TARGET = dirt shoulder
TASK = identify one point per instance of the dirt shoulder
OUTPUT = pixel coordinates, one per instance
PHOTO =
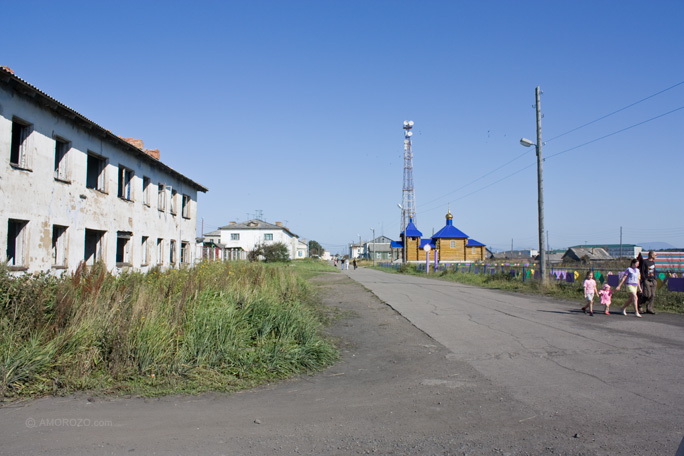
(394, 391)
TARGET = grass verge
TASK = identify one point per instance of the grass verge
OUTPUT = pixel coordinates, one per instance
(667, 301)
(217, 326)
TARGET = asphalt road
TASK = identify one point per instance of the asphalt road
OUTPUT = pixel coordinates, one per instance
(428, 368)
(621, 373)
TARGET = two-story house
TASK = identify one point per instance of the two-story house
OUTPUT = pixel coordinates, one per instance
(235, 240)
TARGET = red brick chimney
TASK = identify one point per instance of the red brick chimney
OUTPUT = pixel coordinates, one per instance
(154, 153)
(279, 223)
(134, 142)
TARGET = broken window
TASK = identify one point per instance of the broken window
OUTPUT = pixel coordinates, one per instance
(160, 251)
(94, 246)
(19, 149)
(185, 253)
(125, 179)
(61, 149)
(17, 237)
(146, 191)
(95, 178)
(59, 246)
(161, 197)
(145, 250)
(123, 248)
(172, 252)
(186, 206)
(174, 205)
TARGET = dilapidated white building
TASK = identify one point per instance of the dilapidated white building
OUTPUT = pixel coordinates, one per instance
(72, 192)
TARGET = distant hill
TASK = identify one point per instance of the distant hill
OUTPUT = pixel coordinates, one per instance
(656, 245)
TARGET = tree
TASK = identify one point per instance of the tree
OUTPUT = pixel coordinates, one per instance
(271, 253)
(315, 249)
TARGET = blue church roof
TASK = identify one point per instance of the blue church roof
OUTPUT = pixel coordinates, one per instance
(474, 243)
(449, 231)
(423, 242)
(411, 230)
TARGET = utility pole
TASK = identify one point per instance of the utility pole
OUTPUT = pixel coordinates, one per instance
(373, 230)
(540, 187)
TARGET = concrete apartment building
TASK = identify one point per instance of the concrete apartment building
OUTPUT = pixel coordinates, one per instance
(73, 192)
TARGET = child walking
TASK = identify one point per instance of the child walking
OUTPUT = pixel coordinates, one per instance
(606, 296)
(589, 291)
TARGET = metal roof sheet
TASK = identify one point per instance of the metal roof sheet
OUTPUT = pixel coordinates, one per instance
(19, 85)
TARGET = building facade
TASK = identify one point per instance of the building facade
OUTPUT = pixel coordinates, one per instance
(449, 244)
(73, 192)
(235, 240)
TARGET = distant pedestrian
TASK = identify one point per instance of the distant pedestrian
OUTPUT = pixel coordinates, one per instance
(346, 264)
(354, 264)
(631, 276)
(648, 282)
(606, 296)
(589, 292)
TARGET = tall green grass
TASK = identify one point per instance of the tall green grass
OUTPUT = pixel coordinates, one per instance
(218, 326)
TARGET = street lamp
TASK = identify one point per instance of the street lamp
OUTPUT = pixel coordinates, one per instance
(540, 188)
(373, 230)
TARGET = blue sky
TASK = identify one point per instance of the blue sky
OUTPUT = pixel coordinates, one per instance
(295, 108)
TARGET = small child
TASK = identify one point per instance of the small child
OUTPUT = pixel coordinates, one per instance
(606, 295)
(589, 291)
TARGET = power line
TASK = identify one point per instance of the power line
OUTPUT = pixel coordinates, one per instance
(614, 133)
(615, 112)
(478, 179)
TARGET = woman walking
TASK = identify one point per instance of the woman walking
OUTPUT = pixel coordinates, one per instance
(632, 276)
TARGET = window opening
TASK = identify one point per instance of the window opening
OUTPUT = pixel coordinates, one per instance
(16, 242)
(186, 206)
(161, 197)
(160, 251)
(19, 149)
(185, 253)
(174, 208)
(146, 191)
(59, 245)
(123, 248)
(125, 178)
(94, 246)
(95, 177)
(172, 252)
(61, 149)
(144, 249)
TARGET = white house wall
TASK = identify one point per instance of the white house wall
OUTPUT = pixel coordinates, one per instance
(35, 195)
(250, 238)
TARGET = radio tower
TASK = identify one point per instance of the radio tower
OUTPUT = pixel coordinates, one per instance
(408, 200)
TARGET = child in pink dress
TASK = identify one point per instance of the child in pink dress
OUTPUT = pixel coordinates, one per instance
(606, 295)
(589, 292)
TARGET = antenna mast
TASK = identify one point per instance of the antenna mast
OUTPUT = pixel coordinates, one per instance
(408, 200)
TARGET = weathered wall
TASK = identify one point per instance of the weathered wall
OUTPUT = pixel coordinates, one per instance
(36, 196)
